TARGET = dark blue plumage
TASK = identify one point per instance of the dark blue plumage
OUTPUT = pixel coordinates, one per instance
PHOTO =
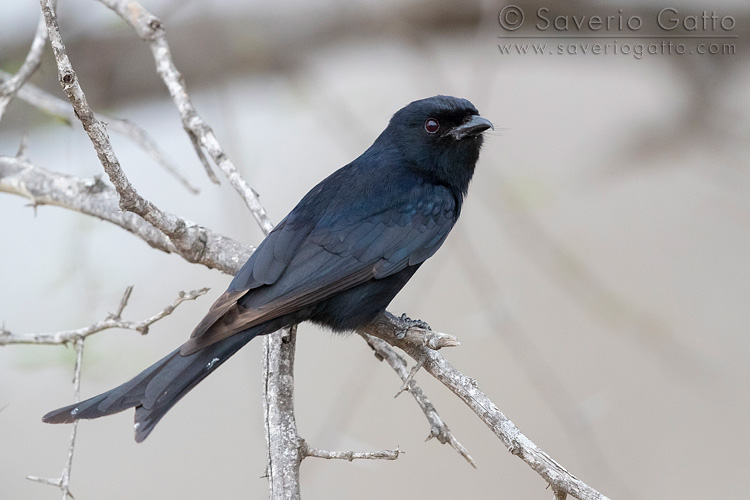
(337, 259)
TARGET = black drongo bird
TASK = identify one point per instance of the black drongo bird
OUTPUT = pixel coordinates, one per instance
(337, 259)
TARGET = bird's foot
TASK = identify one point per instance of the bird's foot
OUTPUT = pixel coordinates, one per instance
(416, 331)
(411, 323)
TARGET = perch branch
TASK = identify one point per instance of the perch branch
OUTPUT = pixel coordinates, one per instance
(390, 328)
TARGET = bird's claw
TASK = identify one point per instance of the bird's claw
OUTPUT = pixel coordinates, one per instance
(413, 323)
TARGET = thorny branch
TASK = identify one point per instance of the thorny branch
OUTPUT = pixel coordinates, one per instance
(389, 328)
(63, 482)
(438, 428)
(111, 321)
(78, 337)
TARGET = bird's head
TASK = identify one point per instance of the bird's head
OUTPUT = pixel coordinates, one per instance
(441, 137)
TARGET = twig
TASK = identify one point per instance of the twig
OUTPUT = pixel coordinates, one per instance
(308, 451)
(111, 321)
(65, 477)
(151, 30)
(124, 302)
(149, 145)
(10, 86)
(63, 482)
(43, 100)
(438, 428)
(410, 377)
(94, 197)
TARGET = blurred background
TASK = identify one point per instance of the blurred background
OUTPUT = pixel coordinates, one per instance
(598, 279)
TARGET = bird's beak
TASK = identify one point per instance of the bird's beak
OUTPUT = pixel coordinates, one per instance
(474, 126)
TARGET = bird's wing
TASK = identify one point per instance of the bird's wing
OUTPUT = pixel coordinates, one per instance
(301, 264)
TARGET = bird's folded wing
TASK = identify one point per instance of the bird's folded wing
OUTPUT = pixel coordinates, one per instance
(296, 267)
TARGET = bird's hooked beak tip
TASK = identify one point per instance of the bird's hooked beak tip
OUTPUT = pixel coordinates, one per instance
(472, 127)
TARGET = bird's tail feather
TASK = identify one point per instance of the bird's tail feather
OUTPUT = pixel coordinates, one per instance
(157, 388)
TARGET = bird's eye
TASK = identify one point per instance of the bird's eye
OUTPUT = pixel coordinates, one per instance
(431, 126)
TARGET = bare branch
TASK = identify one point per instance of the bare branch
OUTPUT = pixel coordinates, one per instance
(151, 30)
(94, 197)
(65, 477)
(389, 328)
(10, 86)
(45, 480)
(60, 109)
(308, 451)
(111, 321)
(438, 428)
(42, 100)
(188, 238)
(63, 482)
(78, 337)
(282, 440)
(409, 377)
